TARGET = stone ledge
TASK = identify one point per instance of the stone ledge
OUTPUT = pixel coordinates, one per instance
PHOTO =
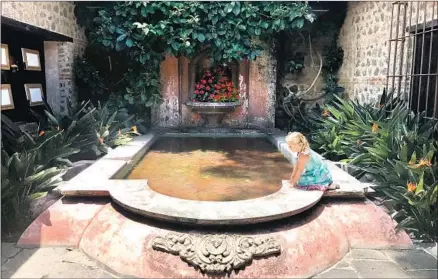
(137, 197)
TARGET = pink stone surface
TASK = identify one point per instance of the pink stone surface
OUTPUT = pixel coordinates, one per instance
(310, 242)
(62, 224)
(167, 114)
(261, 95)
(366, 225)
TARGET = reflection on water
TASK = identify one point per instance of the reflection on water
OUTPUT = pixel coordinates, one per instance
(213, 169)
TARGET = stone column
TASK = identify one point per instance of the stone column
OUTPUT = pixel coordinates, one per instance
(167, 113)
(52, 74)
(261, 91)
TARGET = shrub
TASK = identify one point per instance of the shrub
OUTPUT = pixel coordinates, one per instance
(393, 146)
(23, 177)
(114, 128)
(34, 164)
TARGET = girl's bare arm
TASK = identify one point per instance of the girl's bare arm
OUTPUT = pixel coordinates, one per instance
(299, 168)
(293, 172)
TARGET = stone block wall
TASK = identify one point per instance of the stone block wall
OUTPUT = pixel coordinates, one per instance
(364, 38)
(57, 17)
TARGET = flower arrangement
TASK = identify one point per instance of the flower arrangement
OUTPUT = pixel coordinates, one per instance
(215, 86)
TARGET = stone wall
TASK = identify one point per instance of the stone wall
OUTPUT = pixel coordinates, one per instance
(364, 38)
(57, 17)
(300, 83)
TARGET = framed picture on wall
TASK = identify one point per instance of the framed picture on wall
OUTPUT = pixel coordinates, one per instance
(5, 57)
(7, 100)
(34, 93)
(31, 59)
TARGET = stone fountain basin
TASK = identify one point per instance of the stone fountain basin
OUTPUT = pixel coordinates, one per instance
(103, 178)
(212, 108)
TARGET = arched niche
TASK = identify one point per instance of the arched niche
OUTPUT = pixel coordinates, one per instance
(202, 62)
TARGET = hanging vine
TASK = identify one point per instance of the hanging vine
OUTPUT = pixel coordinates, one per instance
(128, 40)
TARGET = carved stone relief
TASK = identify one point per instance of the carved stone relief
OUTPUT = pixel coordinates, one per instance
(216, 253)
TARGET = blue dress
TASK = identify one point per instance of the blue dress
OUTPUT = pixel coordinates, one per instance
(316, 175)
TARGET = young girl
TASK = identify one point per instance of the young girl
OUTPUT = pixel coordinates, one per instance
(309, 172)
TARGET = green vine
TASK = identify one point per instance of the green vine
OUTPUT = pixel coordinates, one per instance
(137, 36)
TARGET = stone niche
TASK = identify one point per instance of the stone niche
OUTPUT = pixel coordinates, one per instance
(254, 79)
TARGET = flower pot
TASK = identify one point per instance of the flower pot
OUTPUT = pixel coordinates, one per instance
(211, 112)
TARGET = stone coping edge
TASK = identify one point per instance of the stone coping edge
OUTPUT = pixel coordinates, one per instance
(101, 179)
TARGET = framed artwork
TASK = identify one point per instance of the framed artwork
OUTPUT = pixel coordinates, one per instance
(31, 59)
(7, 100)
(5, 57)
(34, 93)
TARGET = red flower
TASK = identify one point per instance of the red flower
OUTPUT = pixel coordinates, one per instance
(217, 87)
(207, 88)
(203, 81)
(218, 98)
(196, 91)
(211, 96)
(197, 86)
(202, 92)
(210, 81)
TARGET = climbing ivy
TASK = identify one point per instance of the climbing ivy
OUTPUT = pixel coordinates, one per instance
(144, 32)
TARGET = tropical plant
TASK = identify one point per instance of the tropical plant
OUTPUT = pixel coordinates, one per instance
(409, 187)
(113, 128)
(23, 177)
(394, 147)
(78, 125)
(54, 145)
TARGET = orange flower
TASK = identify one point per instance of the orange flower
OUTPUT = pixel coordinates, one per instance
(42, 133)
(134, 129)
(100, 140)
(424, 162)
(375, 128)
(411, 186)
(325, 113)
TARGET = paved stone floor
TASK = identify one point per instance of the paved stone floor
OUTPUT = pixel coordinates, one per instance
(58, 262)
(365, 263)
(63, 262)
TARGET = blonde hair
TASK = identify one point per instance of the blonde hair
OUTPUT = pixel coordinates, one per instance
(298, 138)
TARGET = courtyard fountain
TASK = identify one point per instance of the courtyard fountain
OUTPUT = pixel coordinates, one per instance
(215, 199)
(162, 224)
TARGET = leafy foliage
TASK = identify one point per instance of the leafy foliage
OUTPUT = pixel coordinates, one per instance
(25, 176)
(113, 128)
(142, 33)
(396, 148)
